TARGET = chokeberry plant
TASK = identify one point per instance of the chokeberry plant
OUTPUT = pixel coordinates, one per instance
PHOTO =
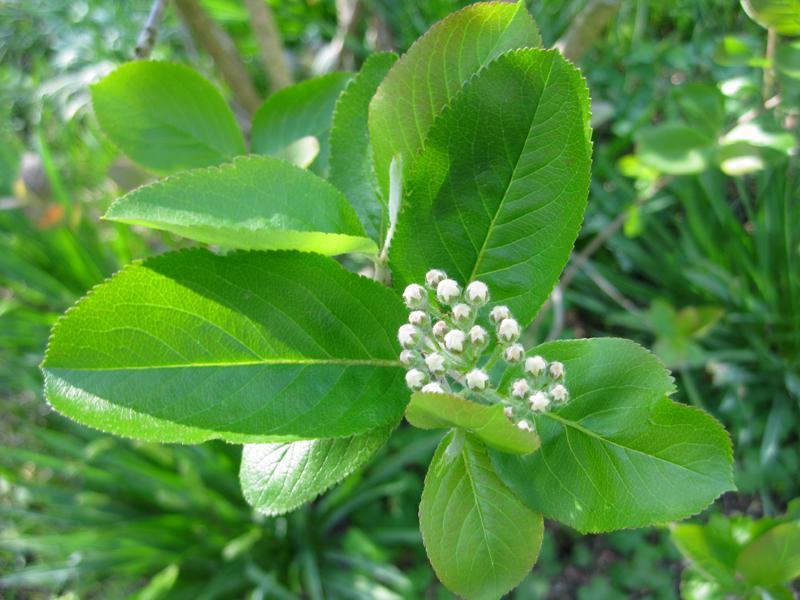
(461, 171)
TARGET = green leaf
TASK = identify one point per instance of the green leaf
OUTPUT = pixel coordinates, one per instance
(166, 116)
(674, 148)
(443, 411)
(697, 586)
(772, 558)
(277, 478)
(781, 15)
(249, 347)
(351, 168)
(620, 454)
(712, 550)
(257, 202)
(480, 539)
(432, 72)
(499, 189)
(298, 111)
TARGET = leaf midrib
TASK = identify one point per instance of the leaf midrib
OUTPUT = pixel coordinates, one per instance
(245, 363)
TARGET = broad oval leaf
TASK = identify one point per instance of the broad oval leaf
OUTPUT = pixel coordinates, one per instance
(480, 539)
(166, 116)
(781, 15)
(773, 557)
(432, 72)
(499, 189)
(712, 550)
(488, 423)
(249, 347)
(351, 168)
(620, 454)
(254, 203)
(277, 478)
(298, 111)
(675, 148)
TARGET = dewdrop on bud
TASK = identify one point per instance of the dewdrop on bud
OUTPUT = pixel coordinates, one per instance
(514, 353)
(539, 401)
(447, 290)
(499, 313)
(461, 312)
(520, 388)
(415, 378)
(477, 379)
(408, 357)
(524, 426)
(508, 412)
(432, 388)
(559, 393)
(439, 329)
(535, 365)
(556, 370)
(435, 363)
(454, 340)
(407, 335)
(478, 335)
(417, 317)
(414, 295)
(434, 276)
(477, 293)
(508, 330)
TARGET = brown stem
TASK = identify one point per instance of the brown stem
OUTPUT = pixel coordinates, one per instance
(769, 69)
(147, 36)
(587, 25)
(270, 44)
(220, 47)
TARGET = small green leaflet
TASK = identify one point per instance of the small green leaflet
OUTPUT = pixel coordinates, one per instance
(620, 454)
(351, 168)
(488, 423)
(277, 478)
(772, 558)
(432, 72)
(248, 347)
(166, 117)
(675, 148)
(302, 110)
(499, 188)
(255, 203)
(480, 539)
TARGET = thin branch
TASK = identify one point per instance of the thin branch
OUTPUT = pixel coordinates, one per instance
(270, 44)
(222, 50)
(147, 36)
(587, 25)
(769, 69)
(333, 56)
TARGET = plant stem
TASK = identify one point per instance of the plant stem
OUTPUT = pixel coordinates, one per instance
(270, 44)
(769, 69)
(586, 27)
(147, 36)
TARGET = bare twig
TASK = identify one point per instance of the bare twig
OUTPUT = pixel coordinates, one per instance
(333, 56)
(147, 36)
(270, 44)
(586, 27)
(769, 69)
(220, 47)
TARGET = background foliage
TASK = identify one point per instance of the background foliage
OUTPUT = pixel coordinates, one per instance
(681, 250)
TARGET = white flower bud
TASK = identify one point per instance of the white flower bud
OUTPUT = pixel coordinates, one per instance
(514, 353)
(508, 412)
(499, 313)
(447, 291)
(477, 379)
(415, 378)
(439, 329)
(559, 393)
(461, 312)
(539, 401)
(524, 426)
(435, 362)
(556, 370)
(508, 330)
(434, 276)
(417, 317)
(414, 295)
(407, 335)
(432, 388)
(408, 357)
(477, 293)
(478, 335)
(535, 365)
(520, 388)
(454, 340)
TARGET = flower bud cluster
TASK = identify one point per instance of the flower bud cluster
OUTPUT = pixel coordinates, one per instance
(446, 339)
